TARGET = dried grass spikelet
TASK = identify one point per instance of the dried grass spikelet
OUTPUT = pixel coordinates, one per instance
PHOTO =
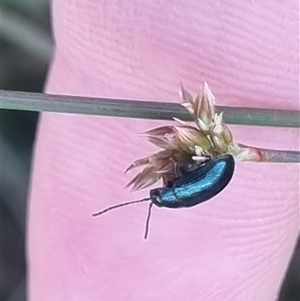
(185, 144)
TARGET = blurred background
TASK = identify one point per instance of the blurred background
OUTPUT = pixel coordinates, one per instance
(26, 49)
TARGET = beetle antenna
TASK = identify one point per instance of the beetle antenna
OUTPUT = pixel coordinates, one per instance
(120, 205)
(148, 221)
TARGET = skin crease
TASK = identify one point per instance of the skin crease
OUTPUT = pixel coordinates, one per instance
(235, 247)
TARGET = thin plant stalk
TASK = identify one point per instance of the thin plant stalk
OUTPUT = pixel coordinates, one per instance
(38, 102)
(14, 100)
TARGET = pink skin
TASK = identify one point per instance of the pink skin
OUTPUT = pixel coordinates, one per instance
(236, 246)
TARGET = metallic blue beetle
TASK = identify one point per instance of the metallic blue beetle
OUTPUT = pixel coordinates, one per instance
(193, 187)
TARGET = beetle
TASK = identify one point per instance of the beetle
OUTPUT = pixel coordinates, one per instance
(194, 186)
